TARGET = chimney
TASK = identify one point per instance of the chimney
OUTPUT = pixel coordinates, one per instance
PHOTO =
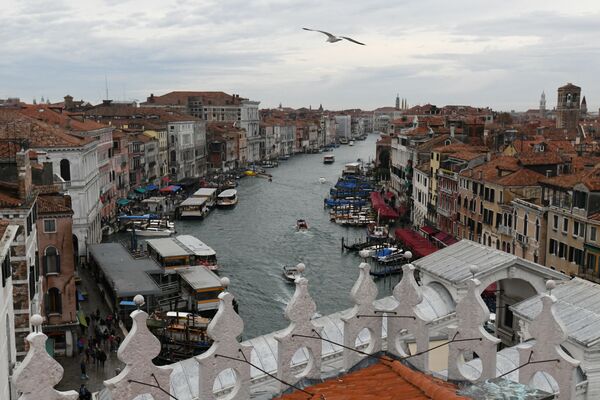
(23, 174)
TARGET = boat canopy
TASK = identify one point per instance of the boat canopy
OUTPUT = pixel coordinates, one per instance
(200, 278)
(193, 201)
(139, 217)
(140, 190)
(228, 193)
(384, 210)
(195, 245)
(151, 187)
(205, 192)
(123, 202)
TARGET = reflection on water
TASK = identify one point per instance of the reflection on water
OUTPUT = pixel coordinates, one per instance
(257, 237)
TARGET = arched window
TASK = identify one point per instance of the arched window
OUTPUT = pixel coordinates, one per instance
(53, 301)
(497, 245)
(537, 229)
(508, 247)
(525, 223)
(489, 241)
(65, 169)
(51, 262)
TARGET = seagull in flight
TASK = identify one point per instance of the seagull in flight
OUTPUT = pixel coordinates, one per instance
(332, 38)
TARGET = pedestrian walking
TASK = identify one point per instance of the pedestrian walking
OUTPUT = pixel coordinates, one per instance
(83, 367)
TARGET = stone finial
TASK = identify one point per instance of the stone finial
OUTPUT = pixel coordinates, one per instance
(471, 315)
(550, 285)
(299, 312)
(549, 333)
(37, 375)
(364, 293)
(137, 351)
(408, 295)
(224, 330)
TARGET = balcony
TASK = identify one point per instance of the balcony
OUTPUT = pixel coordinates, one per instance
(522, 239)
(505, 230)
(445, 213)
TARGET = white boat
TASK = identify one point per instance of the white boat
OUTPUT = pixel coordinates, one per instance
(153, 228)
(290, 272)
(328, 159)
(227, 198)
(351, 143)
(193, 207)
(210, 194)
(343, 141)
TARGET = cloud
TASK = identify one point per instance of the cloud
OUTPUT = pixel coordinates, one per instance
(430, 51)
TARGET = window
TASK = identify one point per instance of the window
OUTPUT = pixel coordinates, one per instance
(565, 227)
(525, 223)
(51, 262)
(65, 169)
(552, 245)
(593, 233)
(6, 270)
(537, 230)
(591, 262)
(508, 317)
(53, 301)
(49, 225)
(555, 223)
(562, 250)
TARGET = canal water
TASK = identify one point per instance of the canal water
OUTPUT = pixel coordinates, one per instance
(257, 237)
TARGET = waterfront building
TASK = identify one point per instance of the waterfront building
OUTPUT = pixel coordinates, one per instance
(18, 206)
(55, 243)
(531, 219)
(74, 159)
(421, 194)
(8, 350)
(568, 107)
(343, 127)
(187, 148)
(225, 146)
(120, 161)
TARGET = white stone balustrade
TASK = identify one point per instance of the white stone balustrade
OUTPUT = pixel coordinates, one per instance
(37, 375)
(406, 321)
(546, 355)
(471, 315)
(299, 312)
(364, 293)
(223, 355)
(140, 375)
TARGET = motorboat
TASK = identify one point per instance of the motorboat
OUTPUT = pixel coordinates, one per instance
(153, 228)
(377, 232)
(227, 198)
(291, 272)
(322, 180)
(301, 225)
(351, 143)
(343, 141)
(328, 159)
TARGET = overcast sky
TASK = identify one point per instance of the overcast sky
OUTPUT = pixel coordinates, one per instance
(498, 54)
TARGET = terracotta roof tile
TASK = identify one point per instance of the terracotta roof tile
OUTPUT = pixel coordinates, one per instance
(53, 204)
(9, 201)
(387, 380)
(3, 225)
(522, 177)
(180, 98)
(539, 158)
(50, 115)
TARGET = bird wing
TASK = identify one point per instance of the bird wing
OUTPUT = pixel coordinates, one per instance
(352, 40)
(316, 30)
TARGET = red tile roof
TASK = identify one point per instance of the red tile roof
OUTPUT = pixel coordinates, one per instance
(14, 124)
(52, 116)
(180, 98)
(9, 201)
(522, 177)
(53, 204)
(540, 158)
(387, 380)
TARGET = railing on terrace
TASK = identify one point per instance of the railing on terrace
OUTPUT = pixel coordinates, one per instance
(37, 375)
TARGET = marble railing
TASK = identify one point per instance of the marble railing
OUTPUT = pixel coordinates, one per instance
(37, 375)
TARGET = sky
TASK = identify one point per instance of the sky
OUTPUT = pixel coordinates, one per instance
(481, 53)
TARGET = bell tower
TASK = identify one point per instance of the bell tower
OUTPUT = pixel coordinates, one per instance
(568, 107)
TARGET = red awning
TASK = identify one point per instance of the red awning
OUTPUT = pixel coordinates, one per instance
(430, 230)
(383, 210)
(420, 246)
(166, 179)
(491, 289)
(389, 195)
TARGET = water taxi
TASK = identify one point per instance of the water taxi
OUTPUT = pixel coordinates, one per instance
(182, 251)
(328, 159)
(210, 194)
(377, 232)
(301, 225)
(227, 198)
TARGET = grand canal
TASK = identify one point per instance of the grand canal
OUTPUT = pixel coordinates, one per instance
(257, 237)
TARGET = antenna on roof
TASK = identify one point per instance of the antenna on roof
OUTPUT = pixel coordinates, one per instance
(106, 85)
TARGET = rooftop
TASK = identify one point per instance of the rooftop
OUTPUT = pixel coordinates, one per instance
(129, 276)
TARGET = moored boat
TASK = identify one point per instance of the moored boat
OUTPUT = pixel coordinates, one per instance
(377, 232)
(351, 143)
(227, 198)
(328, 159)
(291, 272)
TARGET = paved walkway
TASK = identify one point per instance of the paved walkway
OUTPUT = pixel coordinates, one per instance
(72, 376)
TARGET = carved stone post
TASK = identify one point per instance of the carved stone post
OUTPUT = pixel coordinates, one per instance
(406, 320)
(225, 351)
(137, 351)
(549, 333)
(299, 311)
(364, 292)
(471, 314)
(37, 375)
